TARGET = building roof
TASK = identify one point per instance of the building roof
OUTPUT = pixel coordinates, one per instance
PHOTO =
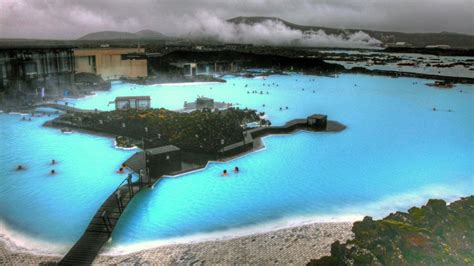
(317, 116)
(163, 149)
(106, 51)
(137, 161)
(205, 99)
(126, 98)
(35, 48)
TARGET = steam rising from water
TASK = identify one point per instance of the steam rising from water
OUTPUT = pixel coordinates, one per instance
(272, 32)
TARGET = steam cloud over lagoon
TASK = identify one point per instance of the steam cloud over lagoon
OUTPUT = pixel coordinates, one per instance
(272, 32)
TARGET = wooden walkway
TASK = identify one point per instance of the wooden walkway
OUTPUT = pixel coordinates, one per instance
(102, 224)
(63, 107)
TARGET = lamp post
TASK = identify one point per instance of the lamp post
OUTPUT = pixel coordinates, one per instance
(147, 170)
(222, 143)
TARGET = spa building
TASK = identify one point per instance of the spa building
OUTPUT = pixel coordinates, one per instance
(112, 63)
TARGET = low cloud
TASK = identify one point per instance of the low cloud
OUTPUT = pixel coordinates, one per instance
(271, 32)
(73, 18)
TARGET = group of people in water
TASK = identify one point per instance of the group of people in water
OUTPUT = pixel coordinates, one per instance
(52, 172)
(449, 110)
(261, 92)
(256, 92)
(121, 170)
(225, 173)
(274, 84)
(33, 114)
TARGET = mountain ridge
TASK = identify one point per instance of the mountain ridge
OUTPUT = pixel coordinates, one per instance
(113, 35)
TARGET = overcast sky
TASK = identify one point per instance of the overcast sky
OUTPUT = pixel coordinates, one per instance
(70, 19)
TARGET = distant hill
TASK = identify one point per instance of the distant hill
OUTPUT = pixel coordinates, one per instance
(114, 35)
(150, 34)
(455, 40)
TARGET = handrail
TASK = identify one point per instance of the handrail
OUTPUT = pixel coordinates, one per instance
(120, 185)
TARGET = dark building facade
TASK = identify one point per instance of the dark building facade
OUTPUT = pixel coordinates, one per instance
(165, 159)
(25, 71)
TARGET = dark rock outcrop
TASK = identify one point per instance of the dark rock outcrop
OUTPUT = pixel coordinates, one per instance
(435, 234)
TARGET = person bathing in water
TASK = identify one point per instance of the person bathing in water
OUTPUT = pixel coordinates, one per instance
(224, 173)
(236, 169)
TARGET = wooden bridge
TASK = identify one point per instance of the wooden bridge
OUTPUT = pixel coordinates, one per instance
(103, 223)
(62, 107)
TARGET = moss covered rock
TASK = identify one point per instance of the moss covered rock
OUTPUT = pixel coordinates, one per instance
(435, 234)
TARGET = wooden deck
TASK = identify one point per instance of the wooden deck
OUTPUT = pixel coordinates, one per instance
(102, 224)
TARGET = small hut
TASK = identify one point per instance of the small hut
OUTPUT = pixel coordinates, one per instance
(165, 159)
(132, 102)
(317, 121)
(161, 160)
(204, 103)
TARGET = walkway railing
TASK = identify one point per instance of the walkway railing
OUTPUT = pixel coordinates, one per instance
(103, 223)
(63, 107)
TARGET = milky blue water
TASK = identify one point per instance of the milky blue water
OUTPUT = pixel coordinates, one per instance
(395, 153)
(52, 208)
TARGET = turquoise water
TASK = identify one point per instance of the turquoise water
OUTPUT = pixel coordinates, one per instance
(38, 208)
(395, 153)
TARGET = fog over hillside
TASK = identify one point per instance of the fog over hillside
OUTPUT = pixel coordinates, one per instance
(272, 32)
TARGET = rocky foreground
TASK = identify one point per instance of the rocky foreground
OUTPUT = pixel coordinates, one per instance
(435, 234)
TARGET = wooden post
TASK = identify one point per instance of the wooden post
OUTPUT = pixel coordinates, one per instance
(118, 197)
(140, 178)
(129, 184)
(106, 220)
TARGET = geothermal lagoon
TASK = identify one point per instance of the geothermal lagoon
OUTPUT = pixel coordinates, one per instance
(395, 153)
